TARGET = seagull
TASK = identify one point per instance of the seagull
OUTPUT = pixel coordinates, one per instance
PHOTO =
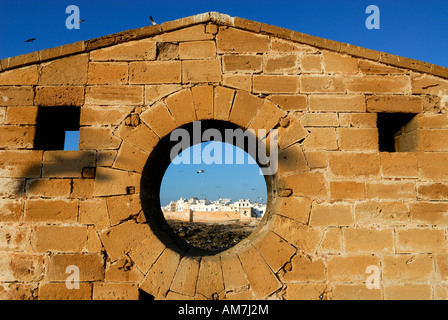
(30, 40)
(152, 20)
(80, 21)
(200, 171)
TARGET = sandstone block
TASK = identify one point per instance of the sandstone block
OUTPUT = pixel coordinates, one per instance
(147, 252)
(306, 184)
(114, 95)
(203, 97)
(123, 207)
(49, 188)
(321, 139)
(210, 281)
(299, 291)
(59, 96)
(59, 291)
(390, 190)
(321, 84)
(130, 158)
(281, 64)
(354, 164)
(351, 268)
(347, 190)
(66, 163)
(311, 63)
(245, 107)
(399, 164)
(335, 103)
(237, 81)
(193, 33)
(267, 117)
(120, 239)
(154, 93)
(94, 212)
(155, 72)
(197, 50)
(223, 100)
(186, 277)
(159, 119)
(107, 73)
(407, 291)
(129, 51)
(275, 84)
(110, 182)
(21, 267)
(239, 41)
(358, 120)
(391, 103)
(242, 63)
(91, 266)
(158, 279)
(19, 77)
(303, 237)
(11, 210)
(201, 71)
(354, 292)
(337, 63)
(351, 139)
(21, 163)
(20, 115)
(369, 240)
(51, 210)
(433, 213)
(71, 71)
(181, 107)
(290, 102)
(59, 239)
(17, 137)
(421, 241)
(305, 268)
(233, 273)
(325, 214)
(274, 250)
(115, 291)
(385, 213)
(256, 268)
(378, 84)
(404, 268)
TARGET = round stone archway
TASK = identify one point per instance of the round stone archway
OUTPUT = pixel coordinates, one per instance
(172, 268)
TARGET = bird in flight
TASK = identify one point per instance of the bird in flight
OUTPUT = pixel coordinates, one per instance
(30, 40)
(152, 20)
(80, 21)
(200, 171)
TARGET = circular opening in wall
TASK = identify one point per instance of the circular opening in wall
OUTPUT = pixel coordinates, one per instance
(203, 191)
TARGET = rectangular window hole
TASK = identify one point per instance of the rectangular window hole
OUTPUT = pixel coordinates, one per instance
(395, 134)
(57, 128)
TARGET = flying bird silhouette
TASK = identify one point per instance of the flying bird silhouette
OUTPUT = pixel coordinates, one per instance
(152, 20)
(30, 40)
(200, 171)
(80, 21)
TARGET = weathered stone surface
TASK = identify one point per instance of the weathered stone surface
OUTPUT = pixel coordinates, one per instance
(336, 206)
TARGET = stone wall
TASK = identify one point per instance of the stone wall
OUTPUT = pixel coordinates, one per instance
(337, 205)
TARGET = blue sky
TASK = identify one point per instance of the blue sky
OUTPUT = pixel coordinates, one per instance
(409, 28)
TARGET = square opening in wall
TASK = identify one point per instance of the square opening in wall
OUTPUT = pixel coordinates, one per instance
(57, 128)
(395, 134)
